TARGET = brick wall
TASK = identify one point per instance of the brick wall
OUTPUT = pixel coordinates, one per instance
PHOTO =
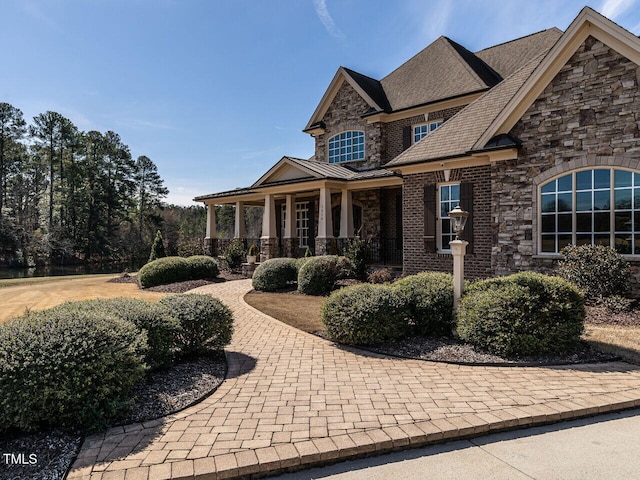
(588, 116)
(478, 263)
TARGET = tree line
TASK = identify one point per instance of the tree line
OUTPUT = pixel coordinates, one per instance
(69, 196)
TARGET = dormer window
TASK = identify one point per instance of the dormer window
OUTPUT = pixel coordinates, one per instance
(424, 129)
(346, 147)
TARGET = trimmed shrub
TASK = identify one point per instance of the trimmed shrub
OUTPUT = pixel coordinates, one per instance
(235, 254)
(429, 297)
(205, 322)
(275, 274)
(67, 368)
(365, 315)
(157, 249)
(203, 266)
(599, 271)
(319, 274)
(155, 321)
(357, 252)
(301, 261)
(177, 269)
(522, 314)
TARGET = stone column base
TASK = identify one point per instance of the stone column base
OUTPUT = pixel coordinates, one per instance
(326, 246)
(211, 247)
(269, 248)
(291, 247)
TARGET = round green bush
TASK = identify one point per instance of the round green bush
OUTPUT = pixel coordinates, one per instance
(160, 327)
(203, 266)
(67, 368)
(365, 315)
(522, 314)
(599, 271)
(318, 275)
(205, 322)
(275, 274)
(429, 297)
(177, 269)
(235, 254)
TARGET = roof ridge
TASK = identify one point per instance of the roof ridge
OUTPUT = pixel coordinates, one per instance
(517, 39)
(489, 76)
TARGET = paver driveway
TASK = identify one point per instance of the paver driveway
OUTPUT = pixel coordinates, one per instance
(293, 399)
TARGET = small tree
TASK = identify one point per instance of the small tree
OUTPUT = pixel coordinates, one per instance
(157, 249)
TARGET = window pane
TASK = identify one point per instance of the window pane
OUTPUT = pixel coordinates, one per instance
(583, 201)
(623, 221)
(583, 239)
(636, 198)
(549, 187)
(549, 243)
(583, 221)
(444, 192)
(563, 241)
(636, 249)
(564, 202)
(446, 226)
(623, 178)
(548, 203)
(623, 244)
(602, 240)
(455, 193)
(601, 178)
(623, 199)
(583, 180)
(636, 221)
(564, 223)
(601, 222)
(564, 183)
(548, 223)
(601, 200)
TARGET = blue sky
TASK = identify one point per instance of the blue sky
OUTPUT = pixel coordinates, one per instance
(217, 91)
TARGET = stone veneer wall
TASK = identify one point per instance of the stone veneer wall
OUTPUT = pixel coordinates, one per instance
(587, 116)
(478, 263)
(345, 113)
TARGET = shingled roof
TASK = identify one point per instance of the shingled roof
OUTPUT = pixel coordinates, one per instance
(459, 135)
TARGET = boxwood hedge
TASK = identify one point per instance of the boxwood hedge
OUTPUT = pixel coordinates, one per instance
(275, 274)
(177, 269)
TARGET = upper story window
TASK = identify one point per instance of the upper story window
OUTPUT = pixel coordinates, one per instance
(424, 129)
(346, 146)
(595, 207)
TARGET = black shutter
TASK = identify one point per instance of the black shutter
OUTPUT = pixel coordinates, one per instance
(406, 138)
(430, 218)
(398, 222)
(312, 226)
(466, 203)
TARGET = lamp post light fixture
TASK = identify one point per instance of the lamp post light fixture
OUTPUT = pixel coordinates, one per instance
(458, 249)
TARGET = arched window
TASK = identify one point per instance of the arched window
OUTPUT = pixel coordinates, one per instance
(599, 206)
(346, 147)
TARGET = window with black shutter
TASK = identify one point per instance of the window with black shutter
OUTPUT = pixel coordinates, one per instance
(430, 218)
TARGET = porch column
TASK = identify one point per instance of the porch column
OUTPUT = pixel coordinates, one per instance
(346, 215)
(290, 232)
(239, 227)
(325, 236)
(269, 240)
(210, 240)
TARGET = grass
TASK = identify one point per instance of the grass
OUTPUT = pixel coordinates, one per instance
(16, 296)
(299, 311)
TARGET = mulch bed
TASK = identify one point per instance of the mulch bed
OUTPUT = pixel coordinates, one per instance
(181, 287)
(602, 316)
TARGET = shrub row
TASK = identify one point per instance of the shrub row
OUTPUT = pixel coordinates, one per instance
(314, 275)
(177, 269)
(369, 314)
(75, 365)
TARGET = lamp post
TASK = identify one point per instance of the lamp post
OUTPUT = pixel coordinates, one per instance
(458, 249)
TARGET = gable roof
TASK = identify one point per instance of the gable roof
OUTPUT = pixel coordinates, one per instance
(508, 57)
(459, 135)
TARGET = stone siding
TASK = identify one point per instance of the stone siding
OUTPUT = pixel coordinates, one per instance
(588, 116)
(416, 259)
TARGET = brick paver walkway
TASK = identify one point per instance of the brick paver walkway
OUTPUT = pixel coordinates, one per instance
(292, 399)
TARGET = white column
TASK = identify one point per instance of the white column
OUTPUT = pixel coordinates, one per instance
(239, 227)
(458, 250)
(211, 221)
(290, 230)
(269, 217)
(325, 224)
(346, 215)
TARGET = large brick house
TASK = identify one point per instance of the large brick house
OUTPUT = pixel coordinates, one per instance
(538, 138)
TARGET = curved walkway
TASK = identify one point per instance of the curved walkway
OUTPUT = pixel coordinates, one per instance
(292, 399)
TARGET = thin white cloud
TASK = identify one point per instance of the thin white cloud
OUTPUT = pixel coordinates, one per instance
(320, 7)
(614, 8)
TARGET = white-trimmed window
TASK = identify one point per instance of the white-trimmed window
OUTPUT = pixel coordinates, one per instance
(422, 130)
(302, 223)
(599, 206)
(448, 199)
(346, 147)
